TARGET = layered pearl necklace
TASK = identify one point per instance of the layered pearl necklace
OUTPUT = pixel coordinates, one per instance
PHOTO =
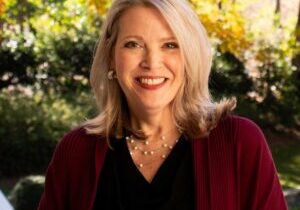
(134, 148)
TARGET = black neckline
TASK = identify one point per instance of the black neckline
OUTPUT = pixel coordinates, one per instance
(162, 168)
(123, 187)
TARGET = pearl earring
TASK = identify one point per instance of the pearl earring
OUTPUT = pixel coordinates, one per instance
(111, 74)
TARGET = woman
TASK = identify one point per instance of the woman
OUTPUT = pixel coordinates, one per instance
(159, 142)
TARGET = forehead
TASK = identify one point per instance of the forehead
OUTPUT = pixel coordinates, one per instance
(143, 21)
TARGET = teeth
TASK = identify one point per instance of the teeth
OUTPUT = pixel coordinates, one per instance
(152, 81)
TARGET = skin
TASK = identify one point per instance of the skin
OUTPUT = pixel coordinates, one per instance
(147, 49)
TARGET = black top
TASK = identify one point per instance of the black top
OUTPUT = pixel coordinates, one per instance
(123, 187)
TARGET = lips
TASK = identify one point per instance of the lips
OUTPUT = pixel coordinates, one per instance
(151, 82)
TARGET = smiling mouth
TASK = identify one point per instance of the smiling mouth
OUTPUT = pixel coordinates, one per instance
(151, 83)
(148, 81)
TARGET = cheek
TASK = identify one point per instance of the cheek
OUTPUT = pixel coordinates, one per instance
(126, 61)
(119, 60)
(177, 65)
(124, 65)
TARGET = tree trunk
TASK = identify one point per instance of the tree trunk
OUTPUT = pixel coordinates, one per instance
(297, 29)
(220, 4)
(296, 59)
(277, 18)
(277, 9)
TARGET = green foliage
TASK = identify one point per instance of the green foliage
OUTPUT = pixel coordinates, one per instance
(18, 61)
(50, 45)
(275, 90)
(65, 61)
(229, 76)
(30, 126)
(46, 51)
(27, 193)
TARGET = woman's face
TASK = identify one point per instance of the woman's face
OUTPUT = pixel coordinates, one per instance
(147, 60)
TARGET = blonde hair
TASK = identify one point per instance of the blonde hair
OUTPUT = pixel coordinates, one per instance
(194, 111)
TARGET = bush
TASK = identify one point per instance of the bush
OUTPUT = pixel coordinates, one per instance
(47, 44)
(27, 193)
(30, 127)
(229, 76)
(271, 99)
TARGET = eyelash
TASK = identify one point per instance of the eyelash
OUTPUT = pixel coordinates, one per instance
(131, 44)
(169, 45)
(173, 44)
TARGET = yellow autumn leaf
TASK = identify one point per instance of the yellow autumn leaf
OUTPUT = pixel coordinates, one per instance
(2, 7)
(225, 24)
(101, 6)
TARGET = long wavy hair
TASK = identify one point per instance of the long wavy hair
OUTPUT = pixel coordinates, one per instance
(194, 111)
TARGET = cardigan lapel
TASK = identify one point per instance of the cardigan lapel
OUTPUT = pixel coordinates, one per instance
(100, 154)
(220, 158)
(201, 174)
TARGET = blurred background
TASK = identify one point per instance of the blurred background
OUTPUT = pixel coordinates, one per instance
(46, 53)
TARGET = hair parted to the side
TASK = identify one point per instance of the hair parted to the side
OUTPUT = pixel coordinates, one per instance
(193, 109)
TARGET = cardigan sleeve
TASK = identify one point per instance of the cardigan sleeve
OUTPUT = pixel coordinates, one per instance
(259, 187)
(55, 193)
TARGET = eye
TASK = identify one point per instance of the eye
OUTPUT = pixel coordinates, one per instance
(171, 45)
(131, 44)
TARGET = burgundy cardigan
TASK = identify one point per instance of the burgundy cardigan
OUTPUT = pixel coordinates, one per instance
(233, 170)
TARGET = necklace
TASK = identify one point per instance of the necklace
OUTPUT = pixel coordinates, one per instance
(134, 148)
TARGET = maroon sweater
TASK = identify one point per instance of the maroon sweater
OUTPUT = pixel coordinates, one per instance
(233, 169)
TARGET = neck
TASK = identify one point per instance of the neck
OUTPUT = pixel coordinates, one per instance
(153, 124)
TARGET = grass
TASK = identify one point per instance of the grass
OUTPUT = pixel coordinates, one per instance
(287, 159)
(286, 154)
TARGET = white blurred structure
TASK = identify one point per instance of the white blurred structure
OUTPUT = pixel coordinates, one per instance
(4, 204)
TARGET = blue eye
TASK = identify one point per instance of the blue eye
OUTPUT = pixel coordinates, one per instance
(131, 44)
(171, 45)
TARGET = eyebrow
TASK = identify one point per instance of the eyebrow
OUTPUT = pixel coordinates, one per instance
(141, 38)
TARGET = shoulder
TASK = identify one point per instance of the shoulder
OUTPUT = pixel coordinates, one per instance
(77, 142)
(242, 141)
(238, 123)
(77, 136)
(242, 132)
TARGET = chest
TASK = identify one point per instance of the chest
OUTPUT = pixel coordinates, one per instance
(149, 164)
(212, 176)
(123, 186)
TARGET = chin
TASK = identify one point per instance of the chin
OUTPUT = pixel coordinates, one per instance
(150, 107)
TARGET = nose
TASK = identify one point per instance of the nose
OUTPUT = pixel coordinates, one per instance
(152, 59)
